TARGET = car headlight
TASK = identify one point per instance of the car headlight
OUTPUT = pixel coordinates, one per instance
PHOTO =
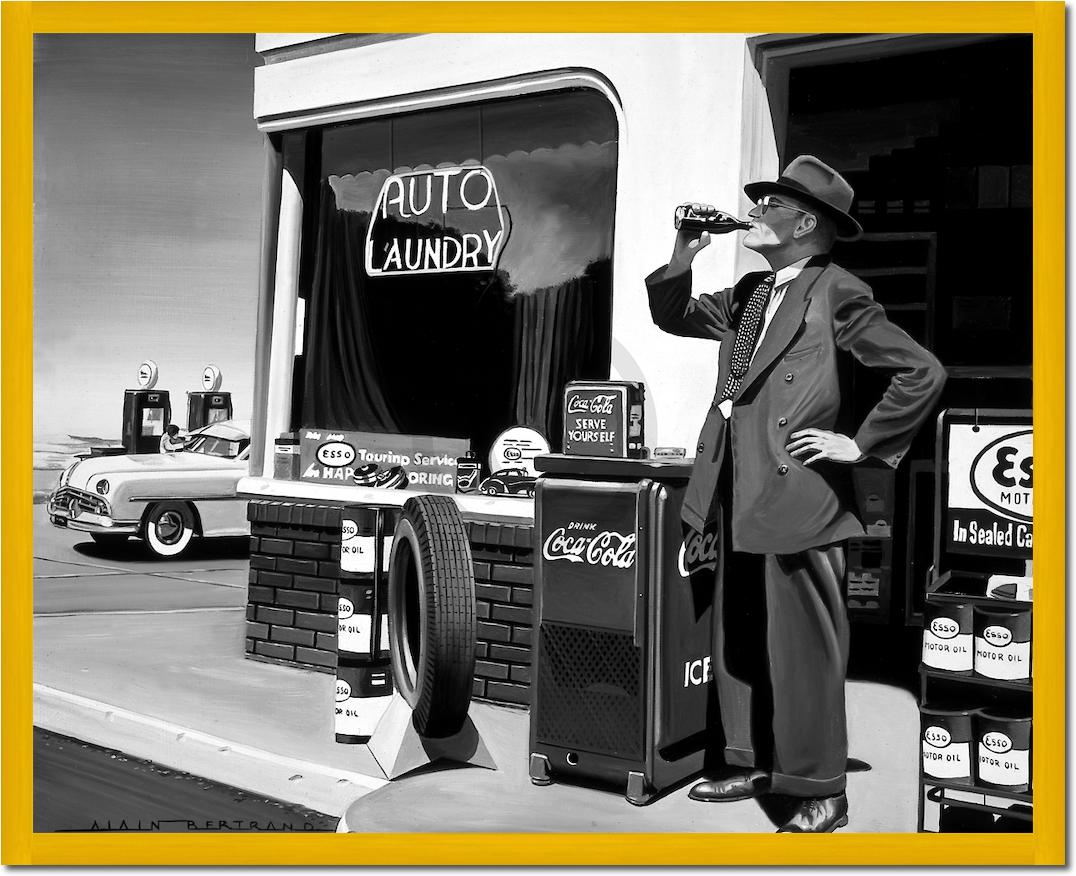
(102, 487)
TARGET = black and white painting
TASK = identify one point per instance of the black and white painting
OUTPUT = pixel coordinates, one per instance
(405, 460)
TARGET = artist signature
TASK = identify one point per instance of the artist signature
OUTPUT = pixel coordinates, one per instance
(219, 825)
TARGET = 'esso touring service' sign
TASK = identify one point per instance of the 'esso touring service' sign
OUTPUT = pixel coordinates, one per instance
(991, 489)
(446, 220)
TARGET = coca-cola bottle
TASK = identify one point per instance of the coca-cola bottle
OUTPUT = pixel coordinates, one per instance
(688, 218)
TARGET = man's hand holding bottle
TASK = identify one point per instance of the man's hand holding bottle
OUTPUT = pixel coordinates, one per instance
(694, 225)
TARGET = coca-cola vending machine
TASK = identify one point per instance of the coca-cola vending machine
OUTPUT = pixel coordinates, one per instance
(622, 687)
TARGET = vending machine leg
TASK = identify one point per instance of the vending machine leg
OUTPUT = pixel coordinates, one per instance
(639, 792)
(540, 770)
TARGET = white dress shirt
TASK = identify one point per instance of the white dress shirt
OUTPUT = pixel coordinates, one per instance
(780, 285)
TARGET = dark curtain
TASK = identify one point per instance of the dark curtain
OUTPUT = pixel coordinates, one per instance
(343, 386)
(561, 334)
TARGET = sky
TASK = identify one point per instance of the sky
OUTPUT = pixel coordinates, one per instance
(147, 219)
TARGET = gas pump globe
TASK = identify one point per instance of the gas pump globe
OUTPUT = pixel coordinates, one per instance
(146, 412)
(210, 405)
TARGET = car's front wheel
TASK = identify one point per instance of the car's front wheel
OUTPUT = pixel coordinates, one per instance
(169, 528)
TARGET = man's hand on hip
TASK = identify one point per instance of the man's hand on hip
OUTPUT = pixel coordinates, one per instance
(811, 445)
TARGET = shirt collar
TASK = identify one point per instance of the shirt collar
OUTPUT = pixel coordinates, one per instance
(789, 273)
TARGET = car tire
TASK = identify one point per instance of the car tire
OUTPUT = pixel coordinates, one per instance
(108, 539)
(169, 528)
(432, 624)
(490, 491)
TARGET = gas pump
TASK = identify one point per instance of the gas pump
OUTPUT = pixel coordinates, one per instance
(146, 412)
(210, 405)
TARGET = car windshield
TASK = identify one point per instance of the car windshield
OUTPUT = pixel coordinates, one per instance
(214, 445)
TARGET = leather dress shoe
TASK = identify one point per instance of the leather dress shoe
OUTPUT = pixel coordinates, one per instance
(742, 786)
(818, 815)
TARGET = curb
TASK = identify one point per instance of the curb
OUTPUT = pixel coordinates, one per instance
(322, 788)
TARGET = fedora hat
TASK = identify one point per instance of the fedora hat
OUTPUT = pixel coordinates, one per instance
(816, 183)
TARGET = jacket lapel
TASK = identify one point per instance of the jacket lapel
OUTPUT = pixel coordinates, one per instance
(786, 322)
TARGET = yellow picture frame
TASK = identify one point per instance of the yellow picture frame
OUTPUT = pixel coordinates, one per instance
(1046, 845)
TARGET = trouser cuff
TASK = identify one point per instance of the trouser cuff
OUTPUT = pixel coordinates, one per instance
(799, 786)
(743, 757)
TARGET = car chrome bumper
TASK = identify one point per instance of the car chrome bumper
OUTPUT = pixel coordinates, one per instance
(62, 515)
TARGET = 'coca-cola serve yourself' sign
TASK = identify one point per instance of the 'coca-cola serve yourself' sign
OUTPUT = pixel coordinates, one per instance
(604, 419)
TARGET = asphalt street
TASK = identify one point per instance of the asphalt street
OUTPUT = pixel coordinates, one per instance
(74, 574)
(82, 787)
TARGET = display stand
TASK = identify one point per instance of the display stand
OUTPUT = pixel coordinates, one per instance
(399, 748)
(961, 574)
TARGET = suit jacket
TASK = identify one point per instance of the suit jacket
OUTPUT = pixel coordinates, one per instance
(796, 380)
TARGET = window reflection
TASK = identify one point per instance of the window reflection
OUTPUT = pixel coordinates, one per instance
(465, 354)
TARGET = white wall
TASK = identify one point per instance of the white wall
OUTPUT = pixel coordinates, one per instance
(694, 125)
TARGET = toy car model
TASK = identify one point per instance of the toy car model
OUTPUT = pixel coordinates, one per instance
(509, 482)
(164, 499)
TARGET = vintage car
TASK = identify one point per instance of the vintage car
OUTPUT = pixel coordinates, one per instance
(163, 498)
(509, 482)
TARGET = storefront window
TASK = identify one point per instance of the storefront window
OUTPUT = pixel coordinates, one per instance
(411, 340)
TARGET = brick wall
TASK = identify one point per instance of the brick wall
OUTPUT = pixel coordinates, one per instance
(503, 568)
(294, 582)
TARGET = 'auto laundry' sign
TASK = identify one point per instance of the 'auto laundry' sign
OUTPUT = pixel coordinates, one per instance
(436, 221)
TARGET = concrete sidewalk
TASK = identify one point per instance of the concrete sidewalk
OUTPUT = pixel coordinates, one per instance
(174, 687)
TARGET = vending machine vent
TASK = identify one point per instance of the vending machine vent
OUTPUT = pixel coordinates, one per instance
(589, 691)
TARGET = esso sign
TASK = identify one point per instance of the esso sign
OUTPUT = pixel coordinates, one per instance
(348, 529)
(517, 446)
(336, 454)
(998, 743)
(211, 378)
(937, 736)
(944, 627)
(147, 374)
(1002, 475)
(997, 636)
(343, 691)
(345, 608)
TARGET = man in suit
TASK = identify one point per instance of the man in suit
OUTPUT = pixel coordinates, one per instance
(772, 474)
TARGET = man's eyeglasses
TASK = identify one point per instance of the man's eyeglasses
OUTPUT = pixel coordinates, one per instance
(767, 201)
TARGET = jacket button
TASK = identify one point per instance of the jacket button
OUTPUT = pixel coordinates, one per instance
(783, 421)
(782, 470)
(701, 448)
(789, 377)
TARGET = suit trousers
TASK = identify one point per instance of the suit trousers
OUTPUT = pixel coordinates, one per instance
(780, 646)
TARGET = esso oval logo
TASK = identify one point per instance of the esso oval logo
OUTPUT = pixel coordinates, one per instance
(348, 529)
(344, 608)
(343, 690)
(147, 374)
(1002, 475)
(211, 378)
(513, 454)
(998, 743)
(997, 636)
(336, 454)
(937, 736)
(944, 627)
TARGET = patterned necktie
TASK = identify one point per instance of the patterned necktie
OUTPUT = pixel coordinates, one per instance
(747, 334)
